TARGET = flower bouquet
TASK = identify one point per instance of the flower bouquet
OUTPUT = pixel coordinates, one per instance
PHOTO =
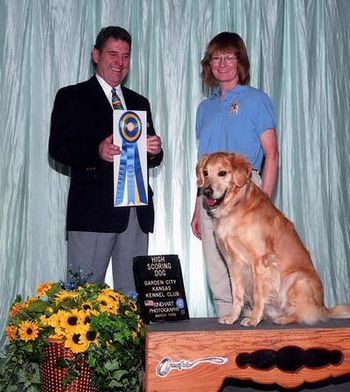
(99, 327)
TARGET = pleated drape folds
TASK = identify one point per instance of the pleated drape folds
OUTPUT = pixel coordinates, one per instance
(299, 52)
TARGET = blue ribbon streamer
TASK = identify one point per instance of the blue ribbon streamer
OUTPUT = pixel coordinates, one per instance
(139, 178)
(129, 167)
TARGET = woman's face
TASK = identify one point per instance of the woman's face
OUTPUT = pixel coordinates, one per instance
(224, 68)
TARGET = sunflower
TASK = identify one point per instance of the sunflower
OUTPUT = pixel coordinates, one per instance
(43, 288)
(86, 306)
(64, 295)
(116, 298)
(71, 319)
(139, 324)
(58, 333)
(110, 293)
(49, 310)
(10, 331)
(132, 305)
(138, 329)
(87, 316)
(28, 330)
(92, 336)
(77, 342)
(44, 320)
(52, 321)
(107, 304)
(92, 321)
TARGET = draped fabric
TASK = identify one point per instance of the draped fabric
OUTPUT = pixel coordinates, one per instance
(299, 52)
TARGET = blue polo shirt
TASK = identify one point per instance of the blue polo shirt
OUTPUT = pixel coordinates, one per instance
(235, 123)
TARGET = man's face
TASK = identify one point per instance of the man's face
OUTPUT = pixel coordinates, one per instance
(112, 63)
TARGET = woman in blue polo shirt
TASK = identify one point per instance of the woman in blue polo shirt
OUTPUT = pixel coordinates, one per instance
(235, 118)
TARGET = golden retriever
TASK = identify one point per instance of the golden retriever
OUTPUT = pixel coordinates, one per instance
(269, 267)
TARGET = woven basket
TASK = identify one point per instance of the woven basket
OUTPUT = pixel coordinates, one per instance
(51, 376)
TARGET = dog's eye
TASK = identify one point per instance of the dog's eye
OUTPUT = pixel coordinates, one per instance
(205, 173)
(222, 173)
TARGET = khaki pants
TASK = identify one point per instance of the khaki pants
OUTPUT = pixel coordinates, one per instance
(217, 272)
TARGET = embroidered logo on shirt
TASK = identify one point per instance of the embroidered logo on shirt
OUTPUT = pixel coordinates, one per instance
(234, 107)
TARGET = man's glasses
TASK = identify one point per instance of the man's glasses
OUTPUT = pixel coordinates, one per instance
(229, 59)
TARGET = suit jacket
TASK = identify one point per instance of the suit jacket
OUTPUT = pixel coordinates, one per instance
(81, 118)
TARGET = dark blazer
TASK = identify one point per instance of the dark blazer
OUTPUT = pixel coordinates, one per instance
(81, 118)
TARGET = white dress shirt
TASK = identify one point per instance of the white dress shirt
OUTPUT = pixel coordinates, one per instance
(108, 91)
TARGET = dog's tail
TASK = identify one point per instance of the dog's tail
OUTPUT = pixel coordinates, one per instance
(339, 311)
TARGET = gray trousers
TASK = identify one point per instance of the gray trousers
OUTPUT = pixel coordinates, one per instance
(217, 272)
(92, 252)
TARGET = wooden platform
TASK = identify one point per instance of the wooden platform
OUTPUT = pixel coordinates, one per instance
(198, 355)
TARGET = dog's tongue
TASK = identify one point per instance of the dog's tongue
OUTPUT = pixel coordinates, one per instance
(211, 202)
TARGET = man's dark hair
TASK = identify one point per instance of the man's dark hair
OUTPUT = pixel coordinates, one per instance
(115, 32)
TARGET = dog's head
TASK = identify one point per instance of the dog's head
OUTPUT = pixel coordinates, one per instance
(221, 175)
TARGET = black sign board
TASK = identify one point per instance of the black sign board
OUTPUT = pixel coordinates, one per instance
(161, 292)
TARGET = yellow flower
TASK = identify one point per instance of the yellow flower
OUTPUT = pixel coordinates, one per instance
(43, 288)
(107, 304)
(92, 336)
(10, 332)
(72, 319)
(139, 324)
(28, 330)
(49, 310)
(113, 295)
(64, 295)
(110, 292)
(81, 320)
(54, 322)
(132, 305)
(51, 321)
(44, 320)
(77, 342)
(87, 316)
(86, 306)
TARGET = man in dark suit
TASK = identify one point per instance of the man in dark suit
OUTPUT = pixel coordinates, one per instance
(81, 137)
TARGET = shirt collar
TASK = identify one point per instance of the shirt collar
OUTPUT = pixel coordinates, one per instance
(237, 89)
(108, 90)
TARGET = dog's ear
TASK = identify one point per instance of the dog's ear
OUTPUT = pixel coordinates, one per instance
(199, 170)
(241, 169)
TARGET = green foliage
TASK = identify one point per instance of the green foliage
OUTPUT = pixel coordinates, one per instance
(18, 375)
(100, 326)
(117, 365)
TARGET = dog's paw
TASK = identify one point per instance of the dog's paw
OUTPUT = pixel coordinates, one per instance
(283, 320)
(228, 319)
(250, 322)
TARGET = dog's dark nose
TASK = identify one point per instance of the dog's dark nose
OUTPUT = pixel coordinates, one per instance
(208, 191)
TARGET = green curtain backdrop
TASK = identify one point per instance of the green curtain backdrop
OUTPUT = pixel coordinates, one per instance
(299, 51)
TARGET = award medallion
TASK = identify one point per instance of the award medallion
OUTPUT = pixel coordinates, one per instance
(130, 127)
(130, 182)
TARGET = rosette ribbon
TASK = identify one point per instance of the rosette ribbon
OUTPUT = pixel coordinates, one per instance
(130, 171)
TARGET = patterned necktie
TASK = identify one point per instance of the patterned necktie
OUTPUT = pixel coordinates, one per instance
(116, 101)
